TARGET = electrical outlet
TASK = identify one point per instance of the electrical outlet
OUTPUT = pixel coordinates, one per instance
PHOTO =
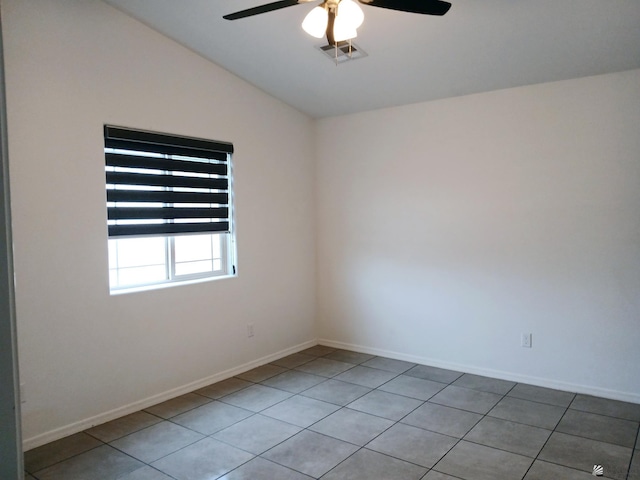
(525, 340)
(250, 330)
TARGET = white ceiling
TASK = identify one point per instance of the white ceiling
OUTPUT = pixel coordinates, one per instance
(479, 46)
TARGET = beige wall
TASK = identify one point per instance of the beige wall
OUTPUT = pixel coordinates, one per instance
(71, 67)
(447, 229)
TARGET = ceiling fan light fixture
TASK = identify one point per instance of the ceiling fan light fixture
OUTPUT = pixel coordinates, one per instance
(351, 12)
(342, 30)
(315, 23)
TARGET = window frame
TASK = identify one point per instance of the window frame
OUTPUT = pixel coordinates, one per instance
(227, 241)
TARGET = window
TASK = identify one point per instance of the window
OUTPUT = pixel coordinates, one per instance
(170, 209)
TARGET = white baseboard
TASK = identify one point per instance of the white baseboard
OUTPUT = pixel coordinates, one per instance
(101, 418)
(504, 375)
(84, 424)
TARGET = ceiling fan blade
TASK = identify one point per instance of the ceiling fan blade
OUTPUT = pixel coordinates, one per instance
(269, 7)
(427, 7)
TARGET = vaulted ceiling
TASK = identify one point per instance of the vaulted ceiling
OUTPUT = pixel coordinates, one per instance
(478, 46)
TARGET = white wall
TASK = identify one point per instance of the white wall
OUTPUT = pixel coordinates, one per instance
(446, 229)
(73, 66)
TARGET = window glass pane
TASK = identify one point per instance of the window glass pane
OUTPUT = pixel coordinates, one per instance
(142, 275)
(113, 278)
(216, 247)
(190, 268)
(138, 252)
(113, 254)
(193, 247)
(194, 255)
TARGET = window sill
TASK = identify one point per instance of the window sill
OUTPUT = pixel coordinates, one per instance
(158, 286)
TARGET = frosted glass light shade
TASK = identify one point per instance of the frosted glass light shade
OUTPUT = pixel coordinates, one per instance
(343, 31)
(351, 12)
(315, 23)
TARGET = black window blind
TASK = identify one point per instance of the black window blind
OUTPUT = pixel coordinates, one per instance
(159, 184)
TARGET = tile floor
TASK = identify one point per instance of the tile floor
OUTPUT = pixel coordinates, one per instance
(336, 414)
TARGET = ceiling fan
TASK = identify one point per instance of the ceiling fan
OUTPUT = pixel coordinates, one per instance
(339, 19)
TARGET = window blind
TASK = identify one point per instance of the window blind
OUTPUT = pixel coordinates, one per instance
(159, 184)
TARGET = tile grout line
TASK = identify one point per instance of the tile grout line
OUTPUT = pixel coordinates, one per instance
(545, 442)
(211, 400)
(67, 458)
(277, 403)
(474, 425)
(342, 407)
(363, 447)
(633, 454)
